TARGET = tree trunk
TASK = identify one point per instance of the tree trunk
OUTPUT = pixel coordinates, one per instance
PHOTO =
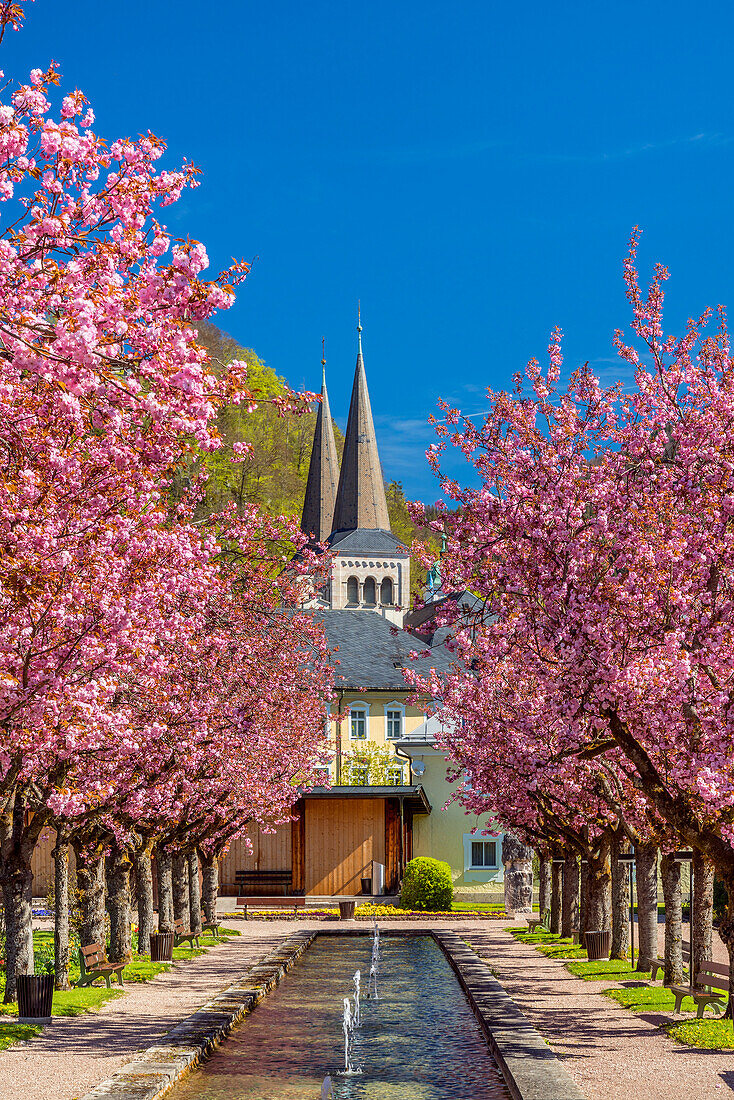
(599, 909)
(584, 898)
(164, 876)
(646, 877)
(544, 882)
(556, 890)
(703, 910)
(61, 913)
(194, 894)
(620, 900)
(17, 884)
(210, 885)
(180, 869)
(673, 918)
(90, 885)
(118, 904)
(144, 895)
(570, 906)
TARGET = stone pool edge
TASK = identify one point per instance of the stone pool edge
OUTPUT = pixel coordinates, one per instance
(530, 1068)
(153, 1071)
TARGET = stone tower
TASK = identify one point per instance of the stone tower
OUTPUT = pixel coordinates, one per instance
(371, 568)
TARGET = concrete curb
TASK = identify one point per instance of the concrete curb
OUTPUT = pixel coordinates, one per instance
(530, 1068)
(153, 1071)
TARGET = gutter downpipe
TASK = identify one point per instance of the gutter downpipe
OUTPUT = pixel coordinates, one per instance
(401, 862)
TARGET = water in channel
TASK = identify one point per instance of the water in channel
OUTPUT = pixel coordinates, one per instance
(419, 1041)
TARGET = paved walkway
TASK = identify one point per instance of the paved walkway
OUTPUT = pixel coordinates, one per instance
(73, 1054)
(612, 1053)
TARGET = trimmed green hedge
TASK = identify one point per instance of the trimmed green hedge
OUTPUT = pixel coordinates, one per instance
(427, 885)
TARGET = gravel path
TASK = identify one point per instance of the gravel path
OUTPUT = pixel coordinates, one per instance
(612, 1053)
(73, 1054)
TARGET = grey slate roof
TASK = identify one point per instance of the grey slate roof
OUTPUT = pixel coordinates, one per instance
(370, 648)
(366, 541)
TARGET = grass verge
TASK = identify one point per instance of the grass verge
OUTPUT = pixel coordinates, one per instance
(707, 1034)
(16, 1033)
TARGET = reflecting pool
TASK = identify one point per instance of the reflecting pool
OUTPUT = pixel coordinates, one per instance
(419, 1041)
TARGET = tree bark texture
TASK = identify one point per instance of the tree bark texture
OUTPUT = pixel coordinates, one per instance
(144, 896)
(16, 878)
(194, 894)
(620, 900)
(599, 906)
(670, 869)
(180, 870)
(17, 883)
(91, 887)
(646, 880)
(544, 882)
(61, 913)
(570, 905)
(556, 895)
(118, 866)
(584, 897)
(209, 885)
(703, 911)
(164, 876)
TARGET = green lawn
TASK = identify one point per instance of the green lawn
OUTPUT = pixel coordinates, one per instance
(555, 947)
(709, 1033)
(75, 1002)
(477, 907)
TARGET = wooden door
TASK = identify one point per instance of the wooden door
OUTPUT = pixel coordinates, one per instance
(343, 836)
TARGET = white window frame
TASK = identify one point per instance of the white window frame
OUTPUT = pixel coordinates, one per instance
(361, 775)
(399, 707)
(490, 832)
(484, 866)
(395, 770)
(362, 710)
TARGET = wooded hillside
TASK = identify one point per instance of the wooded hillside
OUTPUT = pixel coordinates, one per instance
(275, 475)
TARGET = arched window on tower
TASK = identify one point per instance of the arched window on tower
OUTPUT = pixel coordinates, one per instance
(352, 591)
(370, 592)
(386, 598)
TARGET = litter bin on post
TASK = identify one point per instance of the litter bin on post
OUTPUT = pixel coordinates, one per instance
(366, 885)
(598, 944)
(161, 946)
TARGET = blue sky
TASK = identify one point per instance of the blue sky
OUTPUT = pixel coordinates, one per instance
(470, 171)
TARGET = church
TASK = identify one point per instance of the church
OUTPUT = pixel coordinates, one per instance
(384, 797)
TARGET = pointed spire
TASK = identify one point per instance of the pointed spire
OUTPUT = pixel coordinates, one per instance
(360, 498)
(323, 470)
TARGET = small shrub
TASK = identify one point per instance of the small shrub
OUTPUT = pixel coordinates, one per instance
(427, 885)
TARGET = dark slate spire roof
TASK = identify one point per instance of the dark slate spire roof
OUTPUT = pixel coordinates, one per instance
(323, 473)
(360, 498)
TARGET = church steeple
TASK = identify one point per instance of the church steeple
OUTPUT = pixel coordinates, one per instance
(360, 498)
(323, 470)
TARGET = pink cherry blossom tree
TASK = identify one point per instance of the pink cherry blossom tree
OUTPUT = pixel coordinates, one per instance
(601, 539)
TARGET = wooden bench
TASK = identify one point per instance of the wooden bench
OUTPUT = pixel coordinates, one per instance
(181, 935)
(212, 926)
(280, 902)
(541, 923)
(659, 963)
(710, 987)
(282, 878)
(93, 964)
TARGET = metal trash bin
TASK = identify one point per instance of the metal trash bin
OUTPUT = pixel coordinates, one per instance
(346, 910)
(366, 885)
(35, 996)
(598, 944)
(161, 946)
